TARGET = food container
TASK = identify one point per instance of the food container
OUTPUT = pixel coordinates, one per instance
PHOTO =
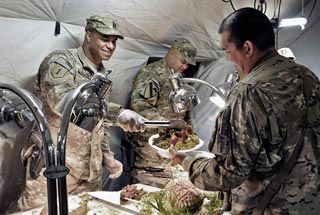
(165, 152)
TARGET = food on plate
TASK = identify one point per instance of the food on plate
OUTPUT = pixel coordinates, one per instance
(77, 205)
(132, 192)
(212, 206)
(177, 197)
(84, 204)
(182, 139)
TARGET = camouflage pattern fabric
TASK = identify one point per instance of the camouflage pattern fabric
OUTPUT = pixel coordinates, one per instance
(149, 98)
(103, 25)
(274, 101)
(187, 50)
(60, 73)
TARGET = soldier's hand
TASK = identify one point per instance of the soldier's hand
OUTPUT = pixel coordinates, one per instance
(114, 167)
(131, 121)
(176, 157)
(188, 128)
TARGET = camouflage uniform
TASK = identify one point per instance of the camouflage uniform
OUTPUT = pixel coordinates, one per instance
(61, 72)
(149, 98)
(276, 100)
(150, 93)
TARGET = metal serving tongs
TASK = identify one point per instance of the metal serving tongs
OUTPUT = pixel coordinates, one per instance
(166, 124)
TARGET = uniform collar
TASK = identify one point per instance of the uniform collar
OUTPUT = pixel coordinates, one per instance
(263, 59)
(260, 64)
(165, 65)
(88, 65)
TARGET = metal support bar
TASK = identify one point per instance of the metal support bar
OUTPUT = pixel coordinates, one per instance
(46, 137)
(98, 82)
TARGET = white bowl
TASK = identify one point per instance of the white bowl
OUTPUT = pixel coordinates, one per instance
(165, 152)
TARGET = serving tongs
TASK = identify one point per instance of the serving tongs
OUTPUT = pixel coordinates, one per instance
(166, 124)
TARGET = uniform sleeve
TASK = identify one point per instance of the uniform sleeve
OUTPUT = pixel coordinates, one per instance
(113, 111)
(105, 142)
(145, 94)
(312, 91)
(240, 143)
(54, 80)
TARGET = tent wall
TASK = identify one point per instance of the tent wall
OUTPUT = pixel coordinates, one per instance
(149, 26)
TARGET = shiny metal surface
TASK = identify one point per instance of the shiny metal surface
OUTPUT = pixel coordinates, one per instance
(165, 124)
(216, 90)
(99, 85)
(183, 97)
(46, 137)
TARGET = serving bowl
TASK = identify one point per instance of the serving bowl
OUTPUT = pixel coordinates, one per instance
(165, 152)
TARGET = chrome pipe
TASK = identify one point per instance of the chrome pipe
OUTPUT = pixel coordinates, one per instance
(216, 90)
(99, 83)
(48, 144)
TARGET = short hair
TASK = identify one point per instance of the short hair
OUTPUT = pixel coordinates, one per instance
(249, 24)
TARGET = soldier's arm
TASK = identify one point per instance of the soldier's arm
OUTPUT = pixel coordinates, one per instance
(113, 111)
(216, 173)
(55, 79)
(312, 88)
(145, 93)
(241, 130)
(105, 142)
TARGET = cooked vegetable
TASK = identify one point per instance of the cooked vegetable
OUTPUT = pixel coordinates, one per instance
(182, 139)
(212, 206)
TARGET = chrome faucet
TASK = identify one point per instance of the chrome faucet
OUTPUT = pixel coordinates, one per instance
(45, 134)
(87, 101)
(184, 97)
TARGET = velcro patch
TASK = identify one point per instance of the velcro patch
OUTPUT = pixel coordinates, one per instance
(151, 89)
(58, 71)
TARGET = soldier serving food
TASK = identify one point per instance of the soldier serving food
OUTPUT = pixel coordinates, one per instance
(150, 93)
(87, 148)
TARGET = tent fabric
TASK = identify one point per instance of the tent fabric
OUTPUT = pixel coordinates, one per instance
(204, 114)
(149, 26)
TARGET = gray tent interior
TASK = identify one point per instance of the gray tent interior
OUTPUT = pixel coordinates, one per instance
(29, 32)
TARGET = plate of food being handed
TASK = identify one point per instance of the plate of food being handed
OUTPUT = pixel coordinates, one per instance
(183, 140)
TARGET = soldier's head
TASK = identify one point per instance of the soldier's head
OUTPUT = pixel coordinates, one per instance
(245, 36)
(101, 38)
(180, 55)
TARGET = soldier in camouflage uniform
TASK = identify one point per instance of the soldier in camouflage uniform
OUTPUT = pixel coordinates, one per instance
(275, 107)
(150, 98)
(59, 74)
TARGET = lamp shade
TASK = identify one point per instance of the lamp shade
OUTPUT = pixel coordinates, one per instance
(299, 21)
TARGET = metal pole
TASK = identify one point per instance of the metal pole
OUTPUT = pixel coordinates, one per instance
(217, 91)
(98, 81)
(46, 137)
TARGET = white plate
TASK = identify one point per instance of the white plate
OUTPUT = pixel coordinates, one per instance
(114, 196)
(147, 188)
(165, 152)
(111, 196)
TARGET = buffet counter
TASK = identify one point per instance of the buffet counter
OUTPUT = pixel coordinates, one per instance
(107, 202)
(96, 203)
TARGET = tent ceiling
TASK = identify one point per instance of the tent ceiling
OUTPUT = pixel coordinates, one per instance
(149, 26)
